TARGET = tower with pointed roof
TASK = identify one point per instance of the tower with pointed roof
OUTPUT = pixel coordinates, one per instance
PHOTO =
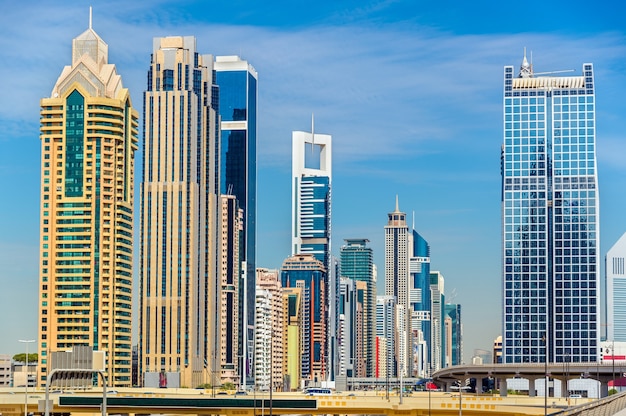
(88, 141)
(407, 267)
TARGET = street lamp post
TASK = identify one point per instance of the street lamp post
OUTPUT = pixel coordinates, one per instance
(545, 366)
(430, 375)
(401, 386)
(26, 341)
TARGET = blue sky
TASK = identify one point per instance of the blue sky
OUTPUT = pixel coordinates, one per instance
(410, 91)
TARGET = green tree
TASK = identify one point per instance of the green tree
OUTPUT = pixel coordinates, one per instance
(228, 386)
(32, 358)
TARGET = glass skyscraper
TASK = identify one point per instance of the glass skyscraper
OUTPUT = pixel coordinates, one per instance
(357, 262)
(550, 217)
(311, 187)
(237, 81)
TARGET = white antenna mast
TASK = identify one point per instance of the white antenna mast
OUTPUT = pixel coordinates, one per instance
(312, 130)
(90, 16)
(413, 225)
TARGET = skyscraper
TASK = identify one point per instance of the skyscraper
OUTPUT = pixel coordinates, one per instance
(88, 142)
(350, 346)
(179, 206)
(270, 320)
(306, 272)
(615, 269)
(311, 187)
(453, 311)
(407, 267)
(311, 221)
(357, 263)
(550, 209)
(237, 81)
(437, 321)
(386, 335)
(231, 230)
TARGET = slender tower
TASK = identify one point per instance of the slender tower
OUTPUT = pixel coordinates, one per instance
(237, 81)
(550, 217)
(179, 209)
(88, 143)
(357, 262)
(311, 221)
(397, 252)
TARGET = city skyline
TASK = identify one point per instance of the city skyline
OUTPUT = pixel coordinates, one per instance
(429, 83)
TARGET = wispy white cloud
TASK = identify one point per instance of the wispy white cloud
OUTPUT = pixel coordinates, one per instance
(380, 90)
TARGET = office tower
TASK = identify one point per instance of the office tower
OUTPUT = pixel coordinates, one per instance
(421, 306)
(386, 332)
(397, 253)
(351, 359)
(179, 206)
(311, 187)
(453, 311)
(616, 291)
(88, 143)
(292, 337)
(407, 266)
(437, 328)
(311, 220)
(357, 263)
(306, 272)
(269, 323)
(237, 81)
(550, 209)
(231, 233)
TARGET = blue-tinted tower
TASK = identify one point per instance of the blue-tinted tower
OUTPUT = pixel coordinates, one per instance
(420, 297)
(550, 210)
(237, 81)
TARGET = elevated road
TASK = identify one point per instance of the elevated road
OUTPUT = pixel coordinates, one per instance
(185, 402)
(531, 371)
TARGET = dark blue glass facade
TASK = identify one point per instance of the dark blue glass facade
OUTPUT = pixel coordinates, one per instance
(315, 216)
(550, 210)
(420, 279)
(238, 112)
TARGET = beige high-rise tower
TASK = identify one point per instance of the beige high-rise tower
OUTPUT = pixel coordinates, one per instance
(179, 207)
(88, 142)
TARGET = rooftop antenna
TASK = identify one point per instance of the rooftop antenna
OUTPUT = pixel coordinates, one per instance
(526, 70)
(413, 225)
(90, 16)
(312, 130)
(397, 204)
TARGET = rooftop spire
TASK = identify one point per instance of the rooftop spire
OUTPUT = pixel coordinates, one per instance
(312, 129)
(90, 17)
(397, 204)
(526, 70)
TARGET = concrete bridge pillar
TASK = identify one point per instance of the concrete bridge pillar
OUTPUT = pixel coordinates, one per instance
(479, 385)
(564, 387)
(503, 387)
(532, 387)
(604, 388)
